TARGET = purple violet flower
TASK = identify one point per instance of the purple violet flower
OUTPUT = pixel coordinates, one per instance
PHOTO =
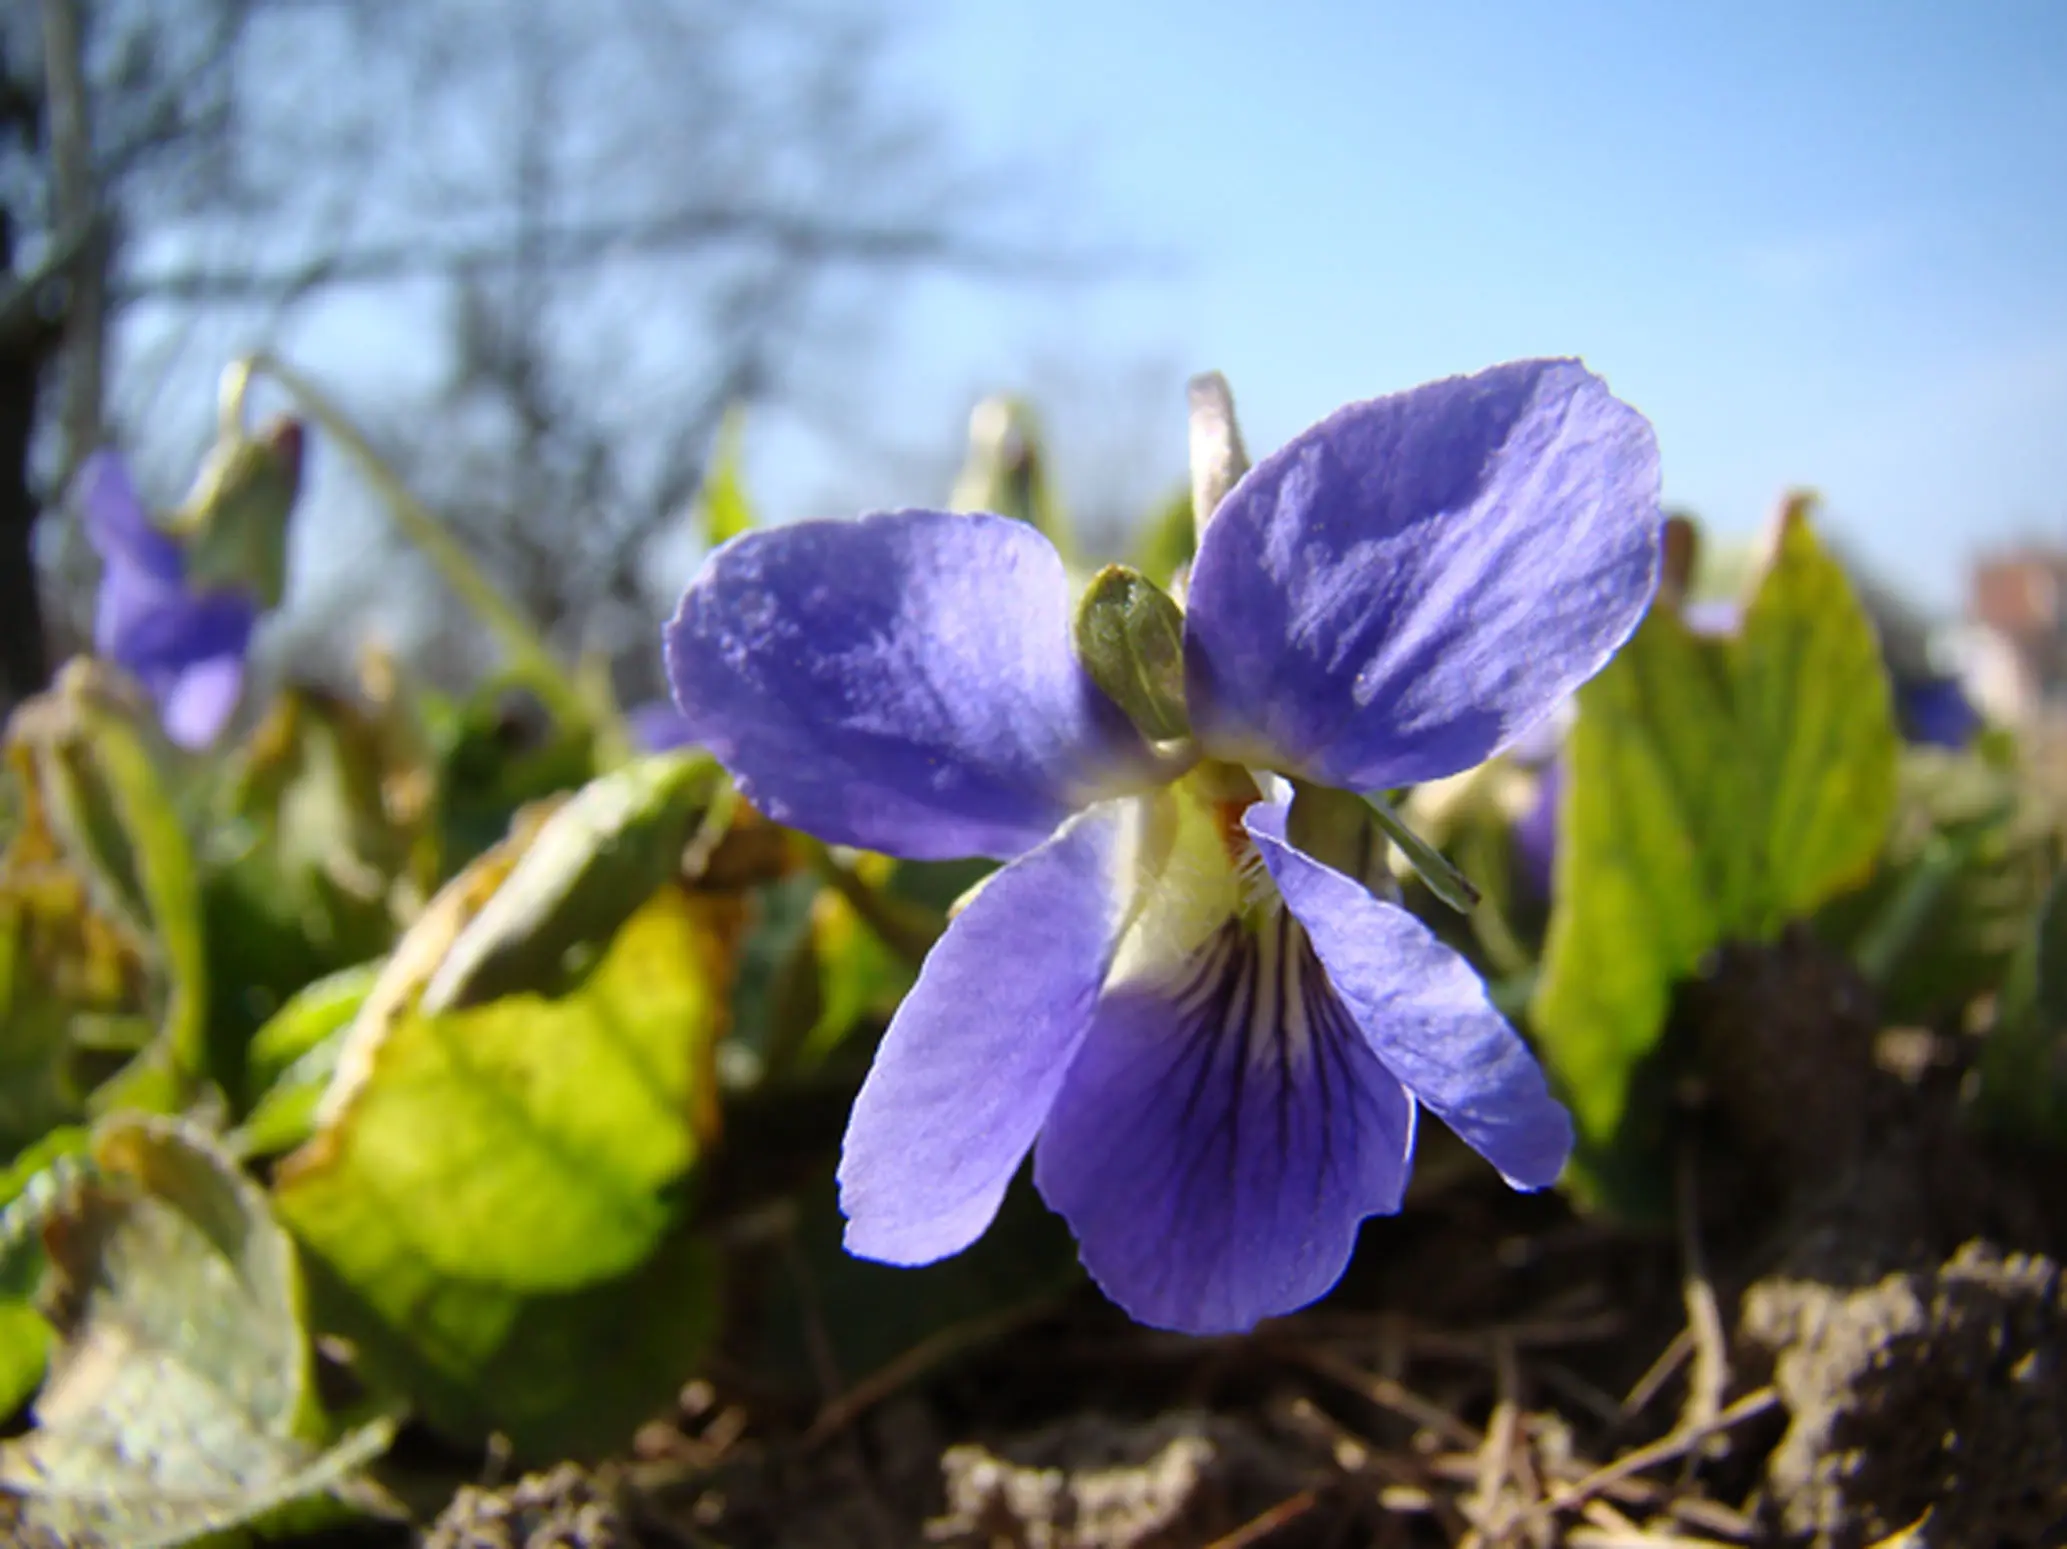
(187, 647)
(1181, 994)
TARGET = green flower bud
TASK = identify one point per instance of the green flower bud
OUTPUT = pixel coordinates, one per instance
(1130, 638)
(233, 523)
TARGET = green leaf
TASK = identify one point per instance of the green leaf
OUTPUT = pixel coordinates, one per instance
(484, 1182)
(1817, 721)
(1961, 876)
(28, 1190)
(308, 1021)
(492, 759)
(320, 842)
(119, 831)
(294, 1057)
(570, 1375)
(1713, 792)
(2051, 936)
(860, 979)
(1638, 894)
(594, 861)
(179, 1402)
(725, 511)
(99, 927)
(2023, 1085)
(24, 1339)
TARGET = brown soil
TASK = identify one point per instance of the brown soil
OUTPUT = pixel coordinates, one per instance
(1855, 1335)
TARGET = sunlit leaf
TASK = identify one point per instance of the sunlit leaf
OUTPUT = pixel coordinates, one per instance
(490, 1190)
(30, 1190)
(293, 1057)
(1714, 791)
(1639, 893)
(595, 860)
(1818, 728)
(179, 1398)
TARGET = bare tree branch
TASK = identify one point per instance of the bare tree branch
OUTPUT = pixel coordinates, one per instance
(76, 185)
(798, 238)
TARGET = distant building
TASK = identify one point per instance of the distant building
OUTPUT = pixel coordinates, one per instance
(2015, 651)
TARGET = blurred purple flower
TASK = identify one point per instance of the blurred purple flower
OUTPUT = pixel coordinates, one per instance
(187, 647)
(1180, 994)
(1935, 712)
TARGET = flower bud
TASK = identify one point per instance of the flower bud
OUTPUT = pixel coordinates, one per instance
(233, 523)
(1218, 459)
(1007, 470)
(1130, 638)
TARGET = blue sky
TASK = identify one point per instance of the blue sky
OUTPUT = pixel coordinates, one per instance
(1819, 244)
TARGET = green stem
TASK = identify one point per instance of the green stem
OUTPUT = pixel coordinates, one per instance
(528, 655)
(1443, 879)
(905, 928)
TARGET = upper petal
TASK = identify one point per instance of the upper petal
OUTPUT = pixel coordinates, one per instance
(973, 1059)
(1424, 1013)
(1222, 1134)
(905, 683)
(116, 522)
(1408, 585)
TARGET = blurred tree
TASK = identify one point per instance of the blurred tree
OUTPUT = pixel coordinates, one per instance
(557, 239)
(99, 102)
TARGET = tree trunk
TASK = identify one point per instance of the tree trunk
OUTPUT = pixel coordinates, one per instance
(26, 350)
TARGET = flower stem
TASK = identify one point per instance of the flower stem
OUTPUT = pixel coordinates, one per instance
(529, 656)
(1443, 879)
(906, 928)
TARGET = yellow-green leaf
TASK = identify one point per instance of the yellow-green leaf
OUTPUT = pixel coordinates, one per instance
(295, 1055)
(1714, 791)
(179, 1401)
(726, 511)
(596, 859)
(533, 1144)
(1639, 894)
(1817, 721)
(100, 937)
(492, 1203)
